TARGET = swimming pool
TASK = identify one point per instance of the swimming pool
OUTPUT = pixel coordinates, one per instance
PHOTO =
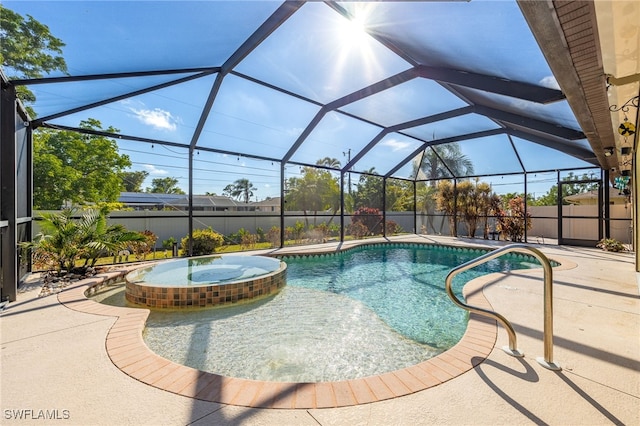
(353, 314)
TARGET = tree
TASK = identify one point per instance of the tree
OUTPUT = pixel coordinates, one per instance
(438, 162)
(28, 49)
(468, 205)
(316, 190)
(399, 195)
(132, 181)
(334, 163)
(425, 202)
(241, 189)
(476, 202)
(76, 168)
(569, 188)
(368, 190)
(453, 162)
(166, 185)
(489, 205)
(446, 202)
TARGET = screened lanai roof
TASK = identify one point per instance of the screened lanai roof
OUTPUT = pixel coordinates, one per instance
(377, 85)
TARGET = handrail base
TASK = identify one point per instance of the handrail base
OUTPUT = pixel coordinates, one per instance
(548, 365)
(513, 352)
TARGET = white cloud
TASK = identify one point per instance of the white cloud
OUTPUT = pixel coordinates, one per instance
(550, 82)
(154, 171)
(396, 145)
(157, 118)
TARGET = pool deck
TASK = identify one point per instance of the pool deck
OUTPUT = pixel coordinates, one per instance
(72, 361)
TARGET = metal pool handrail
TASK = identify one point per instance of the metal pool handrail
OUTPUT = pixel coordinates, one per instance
(512, 349)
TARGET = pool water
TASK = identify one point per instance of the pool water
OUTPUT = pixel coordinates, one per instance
(205, 270)
(342, 316)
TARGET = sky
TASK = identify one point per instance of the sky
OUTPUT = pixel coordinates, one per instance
(319, 57)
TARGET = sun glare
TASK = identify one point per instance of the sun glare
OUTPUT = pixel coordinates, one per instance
(353, 32)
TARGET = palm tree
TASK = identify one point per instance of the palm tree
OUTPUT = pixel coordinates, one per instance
(453, 162)
(64, 240)
(334, 163)
(240, 189)
(439, 162)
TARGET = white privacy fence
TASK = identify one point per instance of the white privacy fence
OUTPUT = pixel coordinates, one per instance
(175, 224)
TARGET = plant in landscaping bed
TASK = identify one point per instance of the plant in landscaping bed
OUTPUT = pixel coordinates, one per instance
(66, 241)
(262, 237)
(512, 222)
(370, 217)
(168, 243)
(392, 228)
(248, 241)
(318, 233)
(357, 230)
(142, 248)
(273, 236)
(295, 233)
(611, 244)
(445, 197)
(205, 241)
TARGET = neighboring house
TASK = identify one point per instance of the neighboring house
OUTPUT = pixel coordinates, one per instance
(268, 205)
(210, 203)
(591, 198)
(155, 201)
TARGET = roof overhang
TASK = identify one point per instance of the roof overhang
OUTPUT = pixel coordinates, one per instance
(592, 49)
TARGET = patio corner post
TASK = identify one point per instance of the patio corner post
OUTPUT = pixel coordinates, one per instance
(526, 205)
(415, 207)
(384, 207)
(190, 248)
(283, 193)
(342, 204)
(8, 193)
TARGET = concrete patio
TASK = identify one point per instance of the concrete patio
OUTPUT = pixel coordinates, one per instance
(55, 366)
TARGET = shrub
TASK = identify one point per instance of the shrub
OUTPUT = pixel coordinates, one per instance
(295, 233)
(168, 243)
(611, 244)
(273, 236)
(392, 227)
(235, 237)
(141, 248)
(248, 241)
(358, 230)
(334, 229)
(319, 233)
(261, 235)
(369, 217)
(512, 221)
(205, 241)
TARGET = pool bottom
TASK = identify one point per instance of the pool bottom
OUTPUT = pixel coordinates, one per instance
(299, 335)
